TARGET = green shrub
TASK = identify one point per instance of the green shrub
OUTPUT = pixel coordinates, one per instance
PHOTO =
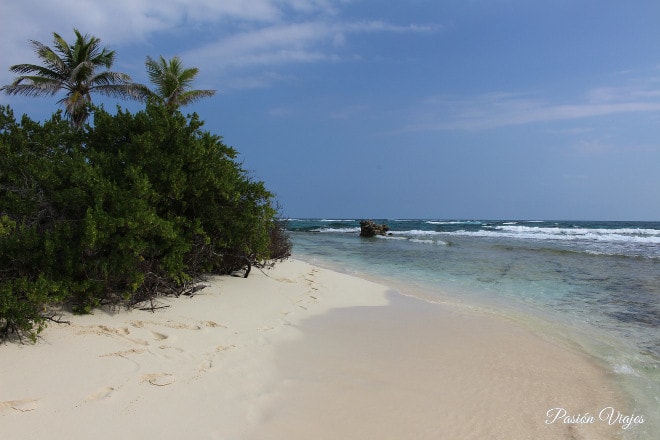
(135, 206)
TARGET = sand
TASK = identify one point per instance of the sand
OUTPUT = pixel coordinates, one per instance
(298, 352)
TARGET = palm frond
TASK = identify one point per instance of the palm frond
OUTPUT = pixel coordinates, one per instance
(48, 57)
(24, 69)
(194, 95)
(80, 72)
(172, 81)
(188, 75)
(105, 78)
(136, 92)
(35, 88)
(61, 46)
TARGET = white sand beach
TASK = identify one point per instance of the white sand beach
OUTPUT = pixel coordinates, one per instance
(298, 352)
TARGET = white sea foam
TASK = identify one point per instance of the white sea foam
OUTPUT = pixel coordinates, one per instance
(624, 369)
(578, 230)
(338, 230)
(622, 235)
(643, 236)
(416, 232)
(454, 222)
(593, 252)
(417, 240)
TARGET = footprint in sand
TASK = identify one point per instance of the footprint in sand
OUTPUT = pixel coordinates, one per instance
(284, 280)
(117, 331)
(311, 282)
(104, 330)
(99, 394)
(138, 341)
(169, 347)
(23, 405)
(124, 353)
(159, 379)
(221, 348)
(208, 363)
(205, 366)
(159, 336)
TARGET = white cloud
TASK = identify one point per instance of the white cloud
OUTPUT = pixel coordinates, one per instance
(594, 147)
(574, 131)
(249, 46)
(380, 26)
(641, 90)
(268, 45)
(245, 33)
(286, 43)
(124, 21)
(505, 109)
(213, 10)
(604, 145)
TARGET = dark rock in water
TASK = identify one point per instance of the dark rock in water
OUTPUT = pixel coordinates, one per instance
(368, 229)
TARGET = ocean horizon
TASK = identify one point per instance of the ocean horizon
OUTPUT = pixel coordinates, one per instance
(594, 285)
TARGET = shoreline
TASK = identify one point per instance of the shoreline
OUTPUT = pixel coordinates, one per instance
(299, 352)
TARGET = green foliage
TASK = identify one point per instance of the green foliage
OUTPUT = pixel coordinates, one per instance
(33, 220)
(172, 82)
(136, 206)
(75, 69)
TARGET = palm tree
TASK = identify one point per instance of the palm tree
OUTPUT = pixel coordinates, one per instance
(173, 82)
(74, 69)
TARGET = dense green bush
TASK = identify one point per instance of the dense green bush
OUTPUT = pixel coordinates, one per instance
(134, 206)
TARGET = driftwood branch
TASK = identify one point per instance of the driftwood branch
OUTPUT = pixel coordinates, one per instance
(57, 319)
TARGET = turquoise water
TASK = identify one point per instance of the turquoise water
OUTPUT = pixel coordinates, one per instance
(595, 284)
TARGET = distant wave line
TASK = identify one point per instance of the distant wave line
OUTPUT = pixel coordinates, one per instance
(636, 235)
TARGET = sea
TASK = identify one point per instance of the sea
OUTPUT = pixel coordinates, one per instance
(593, 285)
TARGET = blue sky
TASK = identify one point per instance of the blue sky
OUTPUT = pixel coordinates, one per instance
(499, 109)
